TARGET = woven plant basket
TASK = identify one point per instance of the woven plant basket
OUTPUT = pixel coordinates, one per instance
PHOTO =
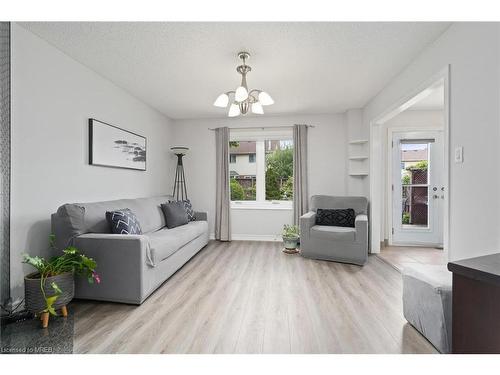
(34, 301)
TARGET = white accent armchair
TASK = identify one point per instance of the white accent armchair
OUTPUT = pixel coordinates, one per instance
(340, 244)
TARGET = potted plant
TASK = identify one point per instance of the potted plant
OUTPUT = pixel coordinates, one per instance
(52, 286)
(290, 237)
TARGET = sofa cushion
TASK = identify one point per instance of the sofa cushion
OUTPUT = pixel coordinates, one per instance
(359, 204)
(67, 223)
(333, 233)
(175, 214)
(165, 242)
(343, 217)
(123, 221)
(78, 218)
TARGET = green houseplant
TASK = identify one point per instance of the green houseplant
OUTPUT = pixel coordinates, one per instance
(52, 286)
(290, 237)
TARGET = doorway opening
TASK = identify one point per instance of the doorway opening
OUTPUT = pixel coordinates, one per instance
(411, 187)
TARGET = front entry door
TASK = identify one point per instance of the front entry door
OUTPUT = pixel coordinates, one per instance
(418, 190)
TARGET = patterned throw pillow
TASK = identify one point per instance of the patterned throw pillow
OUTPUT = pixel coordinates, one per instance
(189, 210)
(336, 217)
(123, 222)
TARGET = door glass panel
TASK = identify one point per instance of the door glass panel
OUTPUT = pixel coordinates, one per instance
(415, 210)
(415, 184)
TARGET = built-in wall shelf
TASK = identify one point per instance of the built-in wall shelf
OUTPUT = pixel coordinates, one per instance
(358, 141)
(358, 157)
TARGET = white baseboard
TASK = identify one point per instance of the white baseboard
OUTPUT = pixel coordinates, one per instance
(252, 237)
(256, 237)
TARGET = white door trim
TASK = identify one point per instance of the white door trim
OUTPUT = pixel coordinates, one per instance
(377, 154)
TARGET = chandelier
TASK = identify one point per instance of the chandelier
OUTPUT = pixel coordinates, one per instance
(242, 100)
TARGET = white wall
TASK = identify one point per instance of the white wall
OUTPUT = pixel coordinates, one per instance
(327, 166)
(407, 120)
(472, 51)
(52, 98)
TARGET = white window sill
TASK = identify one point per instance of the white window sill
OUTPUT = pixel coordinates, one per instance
(242, 205)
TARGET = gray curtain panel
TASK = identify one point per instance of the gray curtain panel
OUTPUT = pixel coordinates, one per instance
(300, 193)
(223, 195)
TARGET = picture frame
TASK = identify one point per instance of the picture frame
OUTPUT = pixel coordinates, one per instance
(114, 147)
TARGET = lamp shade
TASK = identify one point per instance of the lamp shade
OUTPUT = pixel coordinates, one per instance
(265, 98)
(222, 101)
(257, 108)
(234, 110)
(180, 150)
(241, 94)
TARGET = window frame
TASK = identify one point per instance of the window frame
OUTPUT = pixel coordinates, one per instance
(260, 136)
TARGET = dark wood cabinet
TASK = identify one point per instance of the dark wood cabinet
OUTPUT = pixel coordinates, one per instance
(476, 305)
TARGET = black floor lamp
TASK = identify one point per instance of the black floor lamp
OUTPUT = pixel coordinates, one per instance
(180, 190)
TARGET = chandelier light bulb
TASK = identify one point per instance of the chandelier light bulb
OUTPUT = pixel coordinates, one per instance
(222, 101)
(234, 110)
(257, 108)
(241, 94)
(265, 98)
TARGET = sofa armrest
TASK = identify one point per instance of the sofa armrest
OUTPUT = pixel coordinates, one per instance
(306, 221)
(361, 225)
(120, 259)
(201, 216)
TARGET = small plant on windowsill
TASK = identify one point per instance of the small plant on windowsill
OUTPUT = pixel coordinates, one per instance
(290, 237)
(52, 286)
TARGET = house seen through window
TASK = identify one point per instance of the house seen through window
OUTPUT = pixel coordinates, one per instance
(262, 170)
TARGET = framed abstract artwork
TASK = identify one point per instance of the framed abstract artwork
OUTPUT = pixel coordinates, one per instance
(111, 146)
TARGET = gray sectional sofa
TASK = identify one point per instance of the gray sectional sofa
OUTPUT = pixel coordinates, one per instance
(131, 267)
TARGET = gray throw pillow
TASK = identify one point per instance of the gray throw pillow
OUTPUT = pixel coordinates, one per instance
(175, 214)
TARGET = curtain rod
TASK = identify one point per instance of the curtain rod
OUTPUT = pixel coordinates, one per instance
(264, 127)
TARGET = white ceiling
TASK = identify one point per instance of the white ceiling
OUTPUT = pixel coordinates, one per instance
(432, 102)
(180, 68)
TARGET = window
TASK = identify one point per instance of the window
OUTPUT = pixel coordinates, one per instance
(262, 176)
(243, 174)
(279, 170)
(415, 184)
(232, 158)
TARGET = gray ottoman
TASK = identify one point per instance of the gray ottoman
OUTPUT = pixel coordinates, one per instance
(427, 302)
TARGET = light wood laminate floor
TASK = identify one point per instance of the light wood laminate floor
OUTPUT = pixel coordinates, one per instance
(249, 297)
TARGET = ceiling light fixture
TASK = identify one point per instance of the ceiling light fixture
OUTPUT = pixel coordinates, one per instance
(241, 100)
